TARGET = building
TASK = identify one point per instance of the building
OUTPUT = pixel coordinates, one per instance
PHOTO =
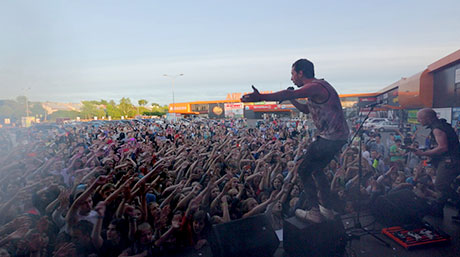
(437, 86)
(232, 107)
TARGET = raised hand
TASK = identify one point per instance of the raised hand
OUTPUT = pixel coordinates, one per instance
(252, 97)
(101, 180)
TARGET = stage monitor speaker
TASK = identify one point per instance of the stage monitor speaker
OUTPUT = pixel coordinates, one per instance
(302, 238)
(399, 208)
(252, 236)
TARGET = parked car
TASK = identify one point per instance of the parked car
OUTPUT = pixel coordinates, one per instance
(381, 126)
(375, 120)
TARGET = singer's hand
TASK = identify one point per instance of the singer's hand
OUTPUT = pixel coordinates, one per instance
(418, 152)
(252, 97)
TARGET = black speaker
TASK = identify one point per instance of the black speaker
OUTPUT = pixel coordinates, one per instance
(398, 208)
(302, 238)
(252, 236)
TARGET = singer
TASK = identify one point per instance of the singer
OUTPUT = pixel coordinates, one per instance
(326, 110)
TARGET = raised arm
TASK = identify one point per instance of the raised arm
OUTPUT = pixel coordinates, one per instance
(307, 90)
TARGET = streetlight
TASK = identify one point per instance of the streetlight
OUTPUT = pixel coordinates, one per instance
(173, 77)
(27, 102)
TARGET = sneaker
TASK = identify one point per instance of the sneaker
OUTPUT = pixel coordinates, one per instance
(327, 213)
(312, 215)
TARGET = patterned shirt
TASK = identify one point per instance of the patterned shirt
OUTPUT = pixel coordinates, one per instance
(328, 116)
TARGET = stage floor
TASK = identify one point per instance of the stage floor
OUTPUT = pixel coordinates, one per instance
(368, 246)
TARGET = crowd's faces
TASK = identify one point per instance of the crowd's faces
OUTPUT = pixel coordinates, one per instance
(107, 192)
(112, 233)
(251, 204)
(86, 206)
(215, 192)
(374, 154)
(137, 214)
(393, 176)
(400, 179)
(277, 183)
(155, 210)
(234, 183)
(198, 226)
(277, 207)
(295, 191)
(290, 165)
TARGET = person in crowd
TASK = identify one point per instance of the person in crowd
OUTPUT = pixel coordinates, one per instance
(378, 146)
(397, 155)
(377, 162)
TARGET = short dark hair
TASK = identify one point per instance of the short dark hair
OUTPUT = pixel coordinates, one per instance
(121, 226)
(306, 67)
(200, 215)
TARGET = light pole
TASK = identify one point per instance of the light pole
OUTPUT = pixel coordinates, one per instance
(173, 77)
(27, 102)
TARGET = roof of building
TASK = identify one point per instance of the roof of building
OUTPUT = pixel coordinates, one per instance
(447, 60)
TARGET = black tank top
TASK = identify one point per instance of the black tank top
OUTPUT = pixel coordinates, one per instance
(452, 139)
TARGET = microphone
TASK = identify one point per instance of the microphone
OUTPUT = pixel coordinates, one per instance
(374, 104)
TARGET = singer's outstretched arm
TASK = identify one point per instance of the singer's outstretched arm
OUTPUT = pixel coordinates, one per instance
(312, 90)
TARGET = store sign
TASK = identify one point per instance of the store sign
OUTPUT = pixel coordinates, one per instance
(389, 98)
(234, 110)
(263, 107)
(216, 111)
(412, 116)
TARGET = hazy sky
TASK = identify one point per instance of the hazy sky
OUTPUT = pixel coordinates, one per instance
(73, 50)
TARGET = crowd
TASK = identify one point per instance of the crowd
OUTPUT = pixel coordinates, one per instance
(146, 188)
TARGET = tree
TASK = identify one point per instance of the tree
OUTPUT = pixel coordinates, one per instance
(157, 110)
(64, 114)
(142, 103)
(127, 109)
(112, 110)
(91, 109)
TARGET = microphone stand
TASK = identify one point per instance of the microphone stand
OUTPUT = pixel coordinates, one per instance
(357, 223)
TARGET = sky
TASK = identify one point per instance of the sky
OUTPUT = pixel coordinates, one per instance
(73, 50)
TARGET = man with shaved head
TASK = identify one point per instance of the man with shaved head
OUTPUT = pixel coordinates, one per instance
(444, 152)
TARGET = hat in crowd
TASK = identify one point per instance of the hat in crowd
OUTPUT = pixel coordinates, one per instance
(150, 198)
